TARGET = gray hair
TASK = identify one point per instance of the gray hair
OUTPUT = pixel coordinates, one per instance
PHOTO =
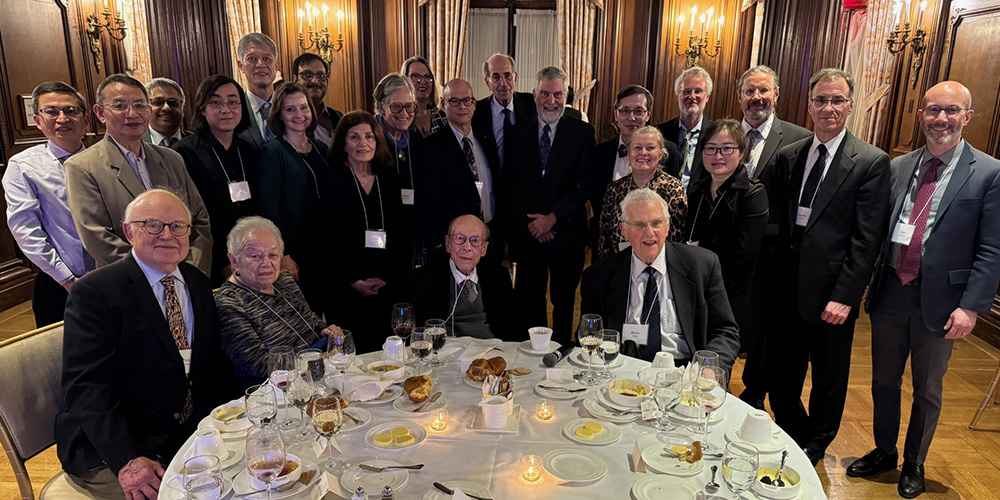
(486, 64)
(551, 73)
(238, 235)
(164, 82)
(693, 72)
(55, 88)
(831, 75)
(258, 39)
(756, 70)
(146, 194)
(123, 79)
(643, 195)
(388, 85)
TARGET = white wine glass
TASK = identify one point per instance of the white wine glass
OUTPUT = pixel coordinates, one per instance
(740, 464)
(708, 390)
(611, 342)
(341, 351)
(261, 404)
(265, 455)
(589, 336)
(701, 358)
(327, 418)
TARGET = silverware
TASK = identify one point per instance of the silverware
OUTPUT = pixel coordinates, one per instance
(777, 479)
(554, 388)
(713, 486)
(673, 454)
(429, 401)
(452, 492)
(372, 468)
(352, 417)
(234, 416)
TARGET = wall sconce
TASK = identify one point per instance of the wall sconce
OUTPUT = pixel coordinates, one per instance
(320, 38)
(699, 44)
(94, 25)
(900, 37)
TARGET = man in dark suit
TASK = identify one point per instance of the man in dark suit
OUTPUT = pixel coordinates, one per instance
(693, 89)
(939, 267)
(474, 296)
(256, 58)
(142, 362)
(313, 73)
(757, 90)
(547, 180)
(832, 191)
(166, 101)
(664, 296)
(496, 114)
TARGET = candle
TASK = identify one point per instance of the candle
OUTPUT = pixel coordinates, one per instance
(340, 21)
(694, 14)
(301, 15)
(309, 18)
(920, 18)
(680, 26)
(896, 15)
(543, 409)
(907, 11)
(722, 19)
(702, 23)
(325, 10)
(315, 16)
(439, 420)
(531, 468)
(708, 21)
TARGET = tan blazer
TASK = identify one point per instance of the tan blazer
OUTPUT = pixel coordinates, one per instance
(100, 183)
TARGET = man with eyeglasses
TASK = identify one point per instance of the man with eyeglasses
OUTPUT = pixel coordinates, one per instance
(38, 214)
(256, 58)
(693, 89)
(475, 297)
(142, 361)
(506, 106)
(940, 266)
(104, 179)
(832, 194)
(661, 295)
(166, 127)
(313, 73)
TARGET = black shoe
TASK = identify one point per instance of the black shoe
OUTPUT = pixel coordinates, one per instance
(874, 462)
(911, 480)
(815, 456)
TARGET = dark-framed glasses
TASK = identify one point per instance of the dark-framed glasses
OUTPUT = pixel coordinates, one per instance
(121, 107)
(154, 227)
(837, 102)
(418, 78)
(217, 104)
(752, 91)
(158, 102)
(656, 224)
(455, 102)
(637, 112)
(933, 111)
(54, 112)
(309, 75)
(460, 239)
(396, 107)
(724, 150)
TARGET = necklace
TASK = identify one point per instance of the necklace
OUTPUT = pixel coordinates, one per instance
(302, 148)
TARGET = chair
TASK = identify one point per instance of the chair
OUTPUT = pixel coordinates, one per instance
(28, 407)
(993, 394)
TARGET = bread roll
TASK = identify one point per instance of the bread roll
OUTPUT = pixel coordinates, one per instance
(481, 368)
(418, 388)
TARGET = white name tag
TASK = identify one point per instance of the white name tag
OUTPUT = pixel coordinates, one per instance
(375, 239)
(903, 233)
(186, 356)
(239, 191)
(623, 245)
(802, 216)
(635, 333)
(407, 196)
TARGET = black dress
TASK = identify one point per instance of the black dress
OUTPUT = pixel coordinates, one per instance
(408, 158)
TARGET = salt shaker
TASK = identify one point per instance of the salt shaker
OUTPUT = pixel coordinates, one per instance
(387, 493)
(359, 494)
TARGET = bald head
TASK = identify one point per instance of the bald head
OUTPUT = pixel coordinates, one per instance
(952, 88)
(458, 104)
(163, 213)
(466, 229)
(947, 109)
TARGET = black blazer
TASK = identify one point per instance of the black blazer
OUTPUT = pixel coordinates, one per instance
(670, 130)
(782, 134)
(699, 297)
(482, 118)
(123, 377)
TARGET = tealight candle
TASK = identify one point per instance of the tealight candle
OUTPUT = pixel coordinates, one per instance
(531, 468)
(543, 409)
(439, 419)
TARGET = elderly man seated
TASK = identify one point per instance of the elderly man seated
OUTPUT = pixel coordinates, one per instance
(141, 357)
(475, 298)
(665, 296)
(260, 306)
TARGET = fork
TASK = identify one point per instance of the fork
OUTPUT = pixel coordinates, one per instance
(554, 388)
(372, 468)
(352, 417)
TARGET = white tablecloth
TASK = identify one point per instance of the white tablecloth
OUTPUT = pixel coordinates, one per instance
(492, 460)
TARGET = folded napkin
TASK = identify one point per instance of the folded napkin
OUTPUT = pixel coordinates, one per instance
(477, 349)
(559, 374)
(459, 495)
(357, 385)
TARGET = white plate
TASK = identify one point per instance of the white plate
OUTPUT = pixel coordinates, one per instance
(775, 445)
(713, 418)
(660, 487)
(418, 433)
(388, 395)
(467, 487)
(174, 488)
(655, 458)
(578, 359)
(295, 490)
(406, 406)
(525, 347)
(574, 465)
(359, 413)
(805, 493)
(610, 434)
(206, 423)
(557, 394)
(601, 412)
(475, 421)
(373, 482)
(472, 383)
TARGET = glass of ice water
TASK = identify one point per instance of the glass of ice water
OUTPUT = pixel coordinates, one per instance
(739, 466)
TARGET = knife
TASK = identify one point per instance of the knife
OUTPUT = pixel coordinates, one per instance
(452, 492)
(429, 401)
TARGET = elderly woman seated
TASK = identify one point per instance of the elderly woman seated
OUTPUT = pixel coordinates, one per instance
(261, 307)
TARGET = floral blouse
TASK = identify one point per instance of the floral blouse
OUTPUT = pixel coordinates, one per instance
(666, 185)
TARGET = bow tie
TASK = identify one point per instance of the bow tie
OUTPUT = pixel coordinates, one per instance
(622, 151)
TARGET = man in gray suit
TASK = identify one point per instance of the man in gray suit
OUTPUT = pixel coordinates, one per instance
(940, 266)
(101, 181)
(257, 59)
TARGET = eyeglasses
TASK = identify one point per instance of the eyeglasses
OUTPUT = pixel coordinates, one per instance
(455, 102)
(217, 105)
(725, 150)
(159, 102)
(154, 227)
(69, 111)
(638, 112)
(121, 107)
(656, 224)
(506, 77)
(396, 107)
(309, 75)
(418, 78)
(837, 102)
(253, 60)
(460, 239)
(933, 111)
(750, 92)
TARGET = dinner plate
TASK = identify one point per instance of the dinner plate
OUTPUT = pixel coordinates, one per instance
(406, 406)
(775, 445)
(660, 487)
(655, 457)
(295, 489)
(574, 465)
(417, 431)
(610, 434)
(467, 487)
(175, 489)
(373, 482)
(599, 411)
(714, 417)
(558, 394)
(206, 423)
(361, 414)
(577, 358)
(388, 395)
(526, 348)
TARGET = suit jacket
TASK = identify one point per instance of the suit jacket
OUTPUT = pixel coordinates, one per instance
(252, 133)
(482, 118)
(100, 183)
(147, 137)
(671, 130)
(427, 288)
(842, 239)
(960, 266)
(123, 377)
(699, 297)
(782, 134)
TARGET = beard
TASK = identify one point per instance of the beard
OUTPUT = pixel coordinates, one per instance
(551, 116)
(939, 138)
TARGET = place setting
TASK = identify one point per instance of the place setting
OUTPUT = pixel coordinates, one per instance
(539, 342)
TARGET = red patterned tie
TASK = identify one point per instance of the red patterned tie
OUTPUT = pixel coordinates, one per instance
(178, 329)
(908, 266)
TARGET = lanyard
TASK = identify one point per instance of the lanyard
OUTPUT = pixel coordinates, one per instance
(268, 306)
(409, 161)
(909, 188)
(313, 172)
(223, 165)
(362, 198)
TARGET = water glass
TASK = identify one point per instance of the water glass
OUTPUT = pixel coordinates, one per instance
(261, 403)
(611, 341)
(667, 390)
(739, 466)
(203, 478)
(438, 337)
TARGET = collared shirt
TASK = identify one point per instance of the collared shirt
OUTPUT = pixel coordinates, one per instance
(138, 163)
(764, 129)
(160, 291)
(255, 105)
(324, 127)
(483, 168)
(831, 150)
(552, 130)
(38, 214)
(157, 138)
(460, 277)
(622, 167)
(689, 147)
(949, 160)
(671, 338)
(496, 109)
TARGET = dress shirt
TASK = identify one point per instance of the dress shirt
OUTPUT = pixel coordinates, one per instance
(138, 163)
(622, 167)
(949, 159)
(689, 147)
(670, 327)
(255, 105)
(324, 127)
(764, 129)
(160, 291)
(38, 214)
(496, 111)
(831, 150)
(483, 168)
(552, 130)
(157, 138)
(460, 277)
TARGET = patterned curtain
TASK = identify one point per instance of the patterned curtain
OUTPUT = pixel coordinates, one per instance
(869, 60)
(447, 27)
(576, 45)
(244, 18)
(136, 43)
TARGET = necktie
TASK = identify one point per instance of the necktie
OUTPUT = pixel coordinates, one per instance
(622, 151)
(812, 182)
(62, 159)
(471, 292)
(470, 158)
(545, 147)
(168, 141)
(752, 136)
(908, 266)
(265, 109)
(651, 315)
(507, 124)
(178, 329)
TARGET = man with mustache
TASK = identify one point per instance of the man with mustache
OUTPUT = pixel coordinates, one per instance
(313, 73)
(940, 266)
(167, 124)
(505, 107)
(257, 60)
(693, 89)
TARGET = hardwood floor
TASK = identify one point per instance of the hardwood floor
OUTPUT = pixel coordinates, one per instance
(963, 464)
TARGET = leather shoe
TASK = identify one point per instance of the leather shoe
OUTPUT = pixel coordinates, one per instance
(911, 480)
(874, 462)
(815, 456)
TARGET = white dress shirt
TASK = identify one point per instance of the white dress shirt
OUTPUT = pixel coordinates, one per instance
(496, 111)
(671, 338)
(460, 277)
(160, 291)
(764, 129)
(622, 167)
(157, 138)
(831, 149)
(483, 169)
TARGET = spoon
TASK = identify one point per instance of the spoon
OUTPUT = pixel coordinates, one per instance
(713, 486)
(777, 479)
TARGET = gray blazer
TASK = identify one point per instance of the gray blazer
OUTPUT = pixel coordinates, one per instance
(100, 183)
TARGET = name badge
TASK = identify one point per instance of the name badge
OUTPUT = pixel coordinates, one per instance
(802, 216)
(903, 233)
(186, 356)
(407, 196)
(691, 243)
(634, 332)
(375, 239)
(622, 245)
(239, 191)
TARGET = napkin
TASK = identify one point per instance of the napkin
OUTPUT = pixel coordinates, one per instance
(559, 374)
(357, 385)
(459, 495)
(477, 349)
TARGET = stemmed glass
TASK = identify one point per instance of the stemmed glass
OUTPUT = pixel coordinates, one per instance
(265, 455)
(311, 360)
(340, 351)
(589, 336)
(300, 393)
(438, 336)
(611, 341)
(281, 370)
(702, 358)
(437, 323)
(421, 345)
(203, 478)
(327, 418)
(739, 466)
(709, 391)
(261, 403)
(667, 388)
(403, 319)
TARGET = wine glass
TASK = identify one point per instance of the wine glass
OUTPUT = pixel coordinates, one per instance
(265, 455)
(281, 370)
(261, 404)
(203, 478)
(708, 388)
(340, 350)
(739, 466)
(403, 319)
(311, 360)
(589, 336)
(300, 393)
(667, 389)
(421, 345)
(437, 323)
(438, 337)
(611, 341)
(327, 418)
(702, 358)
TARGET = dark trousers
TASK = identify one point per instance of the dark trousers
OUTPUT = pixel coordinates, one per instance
(558, 263)
(898, 333)
(48, 300)
(755, 377)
